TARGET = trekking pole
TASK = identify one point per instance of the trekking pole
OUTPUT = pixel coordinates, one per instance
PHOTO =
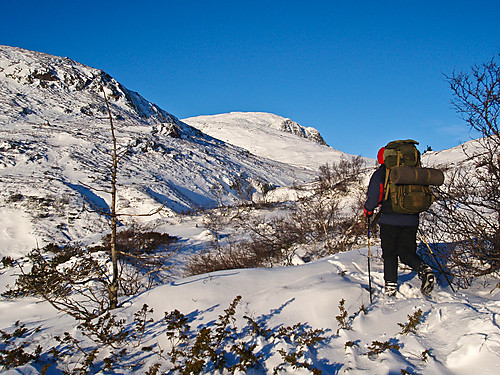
(369, 272)
(437, 262)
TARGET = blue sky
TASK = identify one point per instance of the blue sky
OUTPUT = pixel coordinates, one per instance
(361, 72)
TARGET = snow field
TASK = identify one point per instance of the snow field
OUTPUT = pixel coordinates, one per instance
(459, 332)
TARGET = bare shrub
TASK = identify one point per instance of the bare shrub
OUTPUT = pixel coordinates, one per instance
(224, 258)
(14, 345)
(142, 257)
(468, 209)
(326, 213)
(329, 215)
(8, 261)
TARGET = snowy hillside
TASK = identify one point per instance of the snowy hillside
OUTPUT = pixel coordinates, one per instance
(55, 154)
(270, 136)
(455, 157)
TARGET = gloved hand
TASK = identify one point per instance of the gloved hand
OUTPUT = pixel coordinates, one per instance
(367, 213)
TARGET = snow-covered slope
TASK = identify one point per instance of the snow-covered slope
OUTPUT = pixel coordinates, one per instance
(270, 136)
(455, 157)
(55, 145)
(457, 334)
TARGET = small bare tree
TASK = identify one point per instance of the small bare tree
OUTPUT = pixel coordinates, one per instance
(113, 285)
(476, 99)
(117, 155)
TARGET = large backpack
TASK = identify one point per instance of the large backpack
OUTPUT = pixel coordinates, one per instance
(406, 182)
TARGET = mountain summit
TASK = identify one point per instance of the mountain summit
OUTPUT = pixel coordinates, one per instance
(270, 136)
(258, 119)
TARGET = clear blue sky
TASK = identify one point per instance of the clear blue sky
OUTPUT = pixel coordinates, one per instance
(361, 72)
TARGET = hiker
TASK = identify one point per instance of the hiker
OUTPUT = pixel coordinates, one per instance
(398, 234)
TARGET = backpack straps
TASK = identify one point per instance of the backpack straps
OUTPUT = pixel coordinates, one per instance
(386, 183)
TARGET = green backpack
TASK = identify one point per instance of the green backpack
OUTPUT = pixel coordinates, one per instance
(405, 198)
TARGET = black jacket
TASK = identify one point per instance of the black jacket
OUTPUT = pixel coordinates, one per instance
(375, 197)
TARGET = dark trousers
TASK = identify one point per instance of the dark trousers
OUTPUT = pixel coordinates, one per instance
(398, 241)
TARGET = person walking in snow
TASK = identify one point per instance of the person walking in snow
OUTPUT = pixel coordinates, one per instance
(398, 234)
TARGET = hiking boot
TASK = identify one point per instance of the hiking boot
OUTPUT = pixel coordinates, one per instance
(390, 289)
(427, 276)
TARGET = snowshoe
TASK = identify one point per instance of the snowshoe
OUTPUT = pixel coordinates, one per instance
(390, 289)
(427, 277)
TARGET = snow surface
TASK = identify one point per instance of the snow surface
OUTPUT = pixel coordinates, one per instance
(460, 330)
(50, 163)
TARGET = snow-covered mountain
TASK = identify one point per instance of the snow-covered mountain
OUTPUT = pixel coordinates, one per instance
(257, 132)
(55, 145)
(254, 121)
